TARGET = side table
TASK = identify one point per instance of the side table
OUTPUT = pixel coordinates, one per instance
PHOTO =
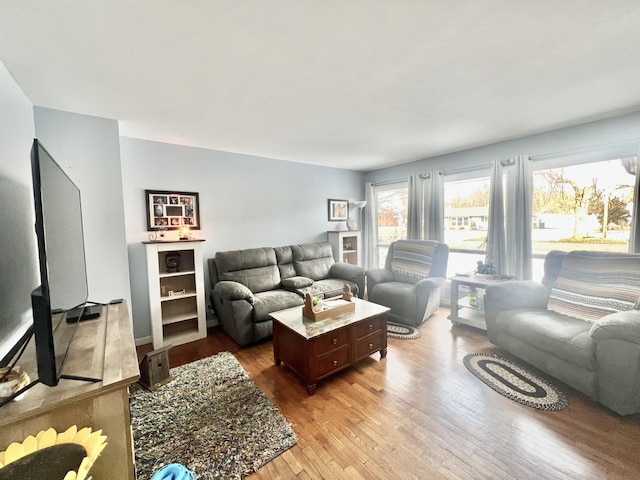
(462, 311)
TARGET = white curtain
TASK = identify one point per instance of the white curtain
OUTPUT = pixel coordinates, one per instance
(495, 235)
(434, 207)
(370, 228)
(415, 207)
(634, 235)
(519, 218)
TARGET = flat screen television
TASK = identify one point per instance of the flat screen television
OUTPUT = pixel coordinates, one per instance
(63, 276)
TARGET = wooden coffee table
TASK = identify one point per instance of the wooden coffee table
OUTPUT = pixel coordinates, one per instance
(315, 350)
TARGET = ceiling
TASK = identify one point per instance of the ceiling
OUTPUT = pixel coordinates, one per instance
(357, 84)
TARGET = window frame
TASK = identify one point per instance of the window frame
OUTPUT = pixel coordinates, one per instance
(383, 247)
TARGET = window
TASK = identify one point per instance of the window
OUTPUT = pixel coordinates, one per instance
(588, 206)
(392, 206)
(466, 219)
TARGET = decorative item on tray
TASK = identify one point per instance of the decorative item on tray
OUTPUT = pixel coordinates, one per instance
(316, 308)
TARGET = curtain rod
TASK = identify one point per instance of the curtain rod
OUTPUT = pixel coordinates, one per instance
(506, 162)
(388, 182)
(593, 148)
(400, 180)
(467, 169)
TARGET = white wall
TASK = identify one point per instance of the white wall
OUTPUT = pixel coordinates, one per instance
(88, 149)
(18, 251)
(618, 129)
(245, 202)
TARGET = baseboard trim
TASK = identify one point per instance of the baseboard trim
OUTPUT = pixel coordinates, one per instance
(143, 340)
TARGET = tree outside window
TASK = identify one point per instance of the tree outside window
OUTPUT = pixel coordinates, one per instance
(584, 207)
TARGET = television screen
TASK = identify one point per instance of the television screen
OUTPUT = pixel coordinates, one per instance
(62, 261)
(65, 268)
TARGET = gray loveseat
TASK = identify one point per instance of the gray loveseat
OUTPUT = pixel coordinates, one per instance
(250, 284)
(580, 325)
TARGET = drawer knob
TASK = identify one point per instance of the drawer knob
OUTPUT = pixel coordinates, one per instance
(335, 362)
(370, 326)
(370, 346)
(335, 341)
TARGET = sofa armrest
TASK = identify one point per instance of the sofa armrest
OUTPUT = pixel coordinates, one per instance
(346, 271)
(376, 276)
(513, 295)
(618, 326)
(379, 275)
(229, 290)
(350, 272)
(428, 284)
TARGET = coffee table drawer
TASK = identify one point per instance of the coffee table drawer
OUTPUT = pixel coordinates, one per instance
(333, 361)
(366, 346)
(368, 326)
(332, 340)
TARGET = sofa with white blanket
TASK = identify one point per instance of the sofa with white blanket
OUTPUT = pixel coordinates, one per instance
(581, 325)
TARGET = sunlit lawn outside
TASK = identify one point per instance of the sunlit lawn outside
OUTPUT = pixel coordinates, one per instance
(544, 240)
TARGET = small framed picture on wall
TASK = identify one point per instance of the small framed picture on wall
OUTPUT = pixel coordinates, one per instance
(171, 210)
(338, 210)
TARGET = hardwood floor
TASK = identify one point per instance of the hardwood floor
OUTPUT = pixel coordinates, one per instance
(420, 414)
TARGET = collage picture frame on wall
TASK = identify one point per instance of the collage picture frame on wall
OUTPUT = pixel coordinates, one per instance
(170, 210)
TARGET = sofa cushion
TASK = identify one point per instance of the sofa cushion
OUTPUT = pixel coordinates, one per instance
(272, 301)
(411, 262)
(561, 336)
(255, 268)
(284, 257)
(400, 297)
(591, 285)
(313, 260)
(294, 283)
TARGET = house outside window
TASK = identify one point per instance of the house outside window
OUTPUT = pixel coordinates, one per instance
(466, 219)
(392, 208)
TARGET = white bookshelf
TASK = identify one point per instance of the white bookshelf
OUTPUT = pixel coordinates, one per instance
(346, 246)
(176, 298)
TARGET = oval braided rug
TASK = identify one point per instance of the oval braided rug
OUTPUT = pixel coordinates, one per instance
(515, 381)
(403, 332)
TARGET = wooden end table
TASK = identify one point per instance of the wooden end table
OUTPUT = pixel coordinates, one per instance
(316, 350)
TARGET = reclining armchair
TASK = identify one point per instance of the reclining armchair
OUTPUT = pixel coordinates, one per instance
(411, 282)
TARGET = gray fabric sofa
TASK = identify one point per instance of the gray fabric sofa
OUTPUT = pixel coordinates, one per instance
(600, 358)
(250, 284)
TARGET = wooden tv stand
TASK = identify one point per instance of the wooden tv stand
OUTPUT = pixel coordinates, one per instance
(102, 348)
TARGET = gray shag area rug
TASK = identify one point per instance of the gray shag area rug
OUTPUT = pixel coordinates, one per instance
(211, 418)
